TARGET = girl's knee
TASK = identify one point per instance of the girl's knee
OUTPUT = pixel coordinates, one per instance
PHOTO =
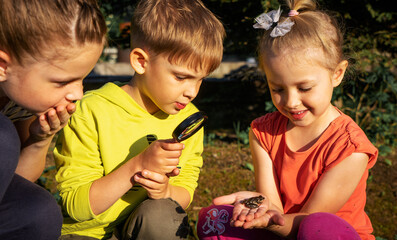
(214, 223)
(326, 226)
(48, 212)
(39, 211)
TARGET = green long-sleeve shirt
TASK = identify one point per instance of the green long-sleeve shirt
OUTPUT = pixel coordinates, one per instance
(107, 129)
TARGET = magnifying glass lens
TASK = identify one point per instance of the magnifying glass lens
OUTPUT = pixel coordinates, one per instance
(192, 128)
(189, 126)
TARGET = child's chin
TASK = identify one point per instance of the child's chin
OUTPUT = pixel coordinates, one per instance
(171, 111)
(38, 113)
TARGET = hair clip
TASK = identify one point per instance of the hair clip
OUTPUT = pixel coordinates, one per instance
(270, 20)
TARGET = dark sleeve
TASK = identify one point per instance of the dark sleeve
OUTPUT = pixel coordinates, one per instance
(9, 153)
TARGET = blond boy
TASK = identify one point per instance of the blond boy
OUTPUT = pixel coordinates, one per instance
(115, 179)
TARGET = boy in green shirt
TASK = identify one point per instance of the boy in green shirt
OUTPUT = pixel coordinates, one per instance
(115, 179)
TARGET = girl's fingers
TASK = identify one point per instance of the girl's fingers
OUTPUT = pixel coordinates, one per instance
(71, 108)
(53, 119)
(263, 221)
(236, 223)
(276, 218)
(271, 217)
(252, 214)
(63, 115)
(239, 212)
(224, 200)
(45, 127)
(246, 214)
(260, 211)
(57, 118)
(243, 214)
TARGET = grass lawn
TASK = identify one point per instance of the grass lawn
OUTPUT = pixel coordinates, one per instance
(228, 168)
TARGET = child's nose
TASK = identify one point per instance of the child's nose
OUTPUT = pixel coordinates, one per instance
(292, 100)
(76, 92)
(192, 89)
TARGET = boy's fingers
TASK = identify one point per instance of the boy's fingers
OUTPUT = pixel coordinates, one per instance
(172, 146)
(160, 178)
(170, 161)
(138, 178)
(172, 157)
(175, 172)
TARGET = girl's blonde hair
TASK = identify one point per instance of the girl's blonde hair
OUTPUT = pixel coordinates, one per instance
(185, 30)
(32, 28)
(313, 29)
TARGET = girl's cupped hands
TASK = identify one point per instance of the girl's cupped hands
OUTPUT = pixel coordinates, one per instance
(255, 214)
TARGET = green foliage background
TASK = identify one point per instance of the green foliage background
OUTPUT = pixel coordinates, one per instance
(369, 92)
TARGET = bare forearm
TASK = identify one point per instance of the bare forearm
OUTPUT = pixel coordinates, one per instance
(33, 158)
(105, 191)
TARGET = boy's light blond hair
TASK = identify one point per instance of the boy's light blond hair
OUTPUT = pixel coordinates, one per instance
(185, 30)
(312, 29)
(32, 29)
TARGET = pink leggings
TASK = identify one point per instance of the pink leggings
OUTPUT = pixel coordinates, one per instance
(213, 224)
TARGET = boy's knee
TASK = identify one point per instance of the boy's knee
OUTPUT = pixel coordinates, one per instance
(326, 226)
(158, 219)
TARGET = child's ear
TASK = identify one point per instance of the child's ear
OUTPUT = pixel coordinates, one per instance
(4, 62)
(138, 60)
(339, 73)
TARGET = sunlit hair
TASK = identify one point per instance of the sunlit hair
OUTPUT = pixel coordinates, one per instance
(185, 30)
(313, 29)
(32, 29)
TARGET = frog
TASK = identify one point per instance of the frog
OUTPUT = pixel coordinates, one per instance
(253, 202)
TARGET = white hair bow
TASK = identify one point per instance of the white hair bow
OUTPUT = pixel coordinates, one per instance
(270, 20)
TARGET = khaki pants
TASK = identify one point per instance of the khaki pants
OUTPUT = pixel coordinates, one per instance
(152, 219)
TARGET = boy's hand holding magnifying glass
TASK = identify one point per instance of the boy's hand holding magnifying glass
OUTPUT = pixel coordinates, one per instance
(162, 157)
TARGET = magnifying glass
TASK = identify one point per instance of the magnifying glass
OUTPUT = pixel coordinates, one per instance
(189, 126)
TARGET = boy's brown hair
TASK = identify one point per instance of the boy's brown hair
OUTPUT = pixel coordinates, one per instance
(185, 30)
(31, 28)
